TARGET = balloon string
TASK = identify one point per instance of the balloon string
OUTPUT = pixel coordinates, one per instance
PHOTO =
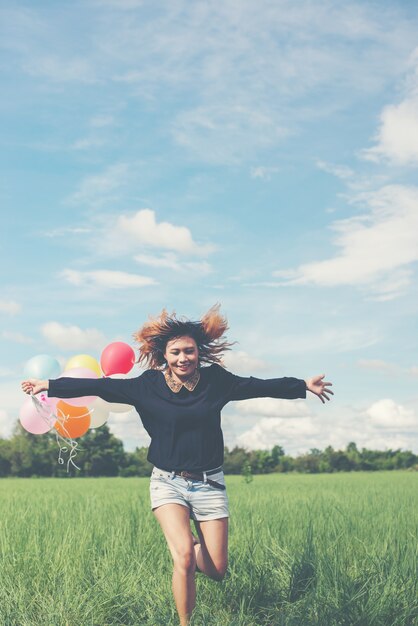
(51, 418)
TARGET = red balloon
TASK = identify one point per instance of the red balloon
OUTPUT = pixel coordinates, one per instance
(117, 358)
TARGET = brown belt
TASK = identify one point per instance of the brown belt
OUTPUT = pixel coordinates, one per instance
(199, 476)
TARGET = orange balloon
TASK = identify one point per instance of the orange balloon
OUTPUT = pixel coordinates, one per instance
(74, 420)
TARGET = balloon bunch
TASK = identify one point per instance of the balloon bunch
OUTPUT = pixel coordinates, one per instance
(74, 417)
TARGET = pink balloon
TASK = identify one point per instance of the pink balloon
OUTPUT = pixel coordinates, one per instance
(117, 358)
(34, 421)
(79, 372)
(50, 402)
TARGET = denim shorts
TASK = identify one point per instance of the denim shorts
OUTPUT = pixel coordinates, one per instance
(203, 501)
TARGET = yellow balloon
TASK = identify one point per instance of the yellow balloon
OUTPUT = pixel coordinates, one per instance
(84, 360)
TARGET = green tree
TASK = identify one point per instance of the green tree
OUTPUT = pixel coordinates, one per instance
(136, 463)
(4, 457)
(100, 453)
(235, 460)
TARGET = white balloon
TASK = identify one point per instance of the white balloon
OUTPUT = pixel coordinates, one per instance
(99, 411)
(115, 407)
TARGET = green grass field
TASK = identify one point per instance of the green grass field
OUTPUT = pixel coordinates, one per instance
(335, 549)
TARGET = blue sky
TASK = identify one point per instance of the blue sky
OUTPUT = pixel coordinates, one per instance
(261, 155)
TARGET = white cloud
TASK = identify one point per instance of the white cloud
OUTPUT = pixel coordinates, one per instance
(384, 425)
(387, 414)
(5, 424)
(16, 337)
(274, 407)
(128, 427)
(397, 136)
(12, 398)
(397, 139)
(240, 362)
(274, 430)
(170, 261)
(143, 228)
(107, 278)
(375, 249)
(71, 337)
(10, 306)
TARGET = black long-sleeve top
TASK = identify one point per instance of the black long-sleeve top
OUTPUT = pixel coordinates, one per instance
(185, 427)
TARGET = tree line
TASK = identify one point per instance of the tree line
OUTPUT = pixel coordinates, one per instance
(99, 453)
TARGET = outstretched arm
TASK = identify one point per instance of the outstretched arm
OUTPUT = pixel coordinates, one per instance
(319, 387)
(126, 390)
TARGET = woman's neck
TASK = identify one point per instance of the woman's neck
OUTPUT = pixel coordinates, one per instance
(180, 379)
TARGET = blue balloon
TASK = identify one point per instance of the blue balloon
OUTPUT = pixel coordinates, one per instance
(42, 366)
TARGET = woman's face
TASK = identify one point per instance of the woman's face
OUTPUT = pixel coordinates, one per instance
(182, 356)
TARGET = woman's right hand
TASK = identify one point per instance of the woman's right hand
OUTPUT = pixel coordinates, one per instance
(34, 385)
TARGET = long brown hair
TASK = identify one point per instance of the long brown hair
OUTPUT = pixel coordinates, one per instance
(208, 333)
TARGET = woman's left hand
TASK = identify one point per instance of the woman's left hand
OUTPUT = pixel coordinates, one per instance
(319, 387)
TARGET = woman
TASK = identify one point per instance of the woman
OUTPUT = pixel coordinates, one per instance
(180, 404)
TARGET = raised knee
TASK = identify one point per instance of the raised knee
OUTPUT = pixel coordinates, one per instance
(219, 571)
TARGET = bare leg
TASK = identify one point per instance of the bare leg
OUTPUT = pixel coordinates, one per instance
(212, 551)
(174, 520)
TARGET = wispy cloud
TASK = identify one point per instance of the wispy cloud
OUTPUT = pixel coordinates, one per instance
(340, 171)
(11, 307)
(264, 172)
(222, 134)
(87, 143)
(330, 340)
(71, 337)
(272, 407)
(102, 121)
(171, 261)
(16, 337)
(61, 70)
(240, 362)
(376, 249)
(101, 188)
(246, 90)
(66, 230)
(379, 365)
(107, 278)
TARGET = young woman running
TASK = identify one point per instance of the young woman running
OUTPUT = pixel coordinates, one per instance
(179, 398)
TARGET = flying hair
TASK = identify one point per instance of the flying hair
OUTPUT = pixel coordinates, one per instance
(208, 333)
